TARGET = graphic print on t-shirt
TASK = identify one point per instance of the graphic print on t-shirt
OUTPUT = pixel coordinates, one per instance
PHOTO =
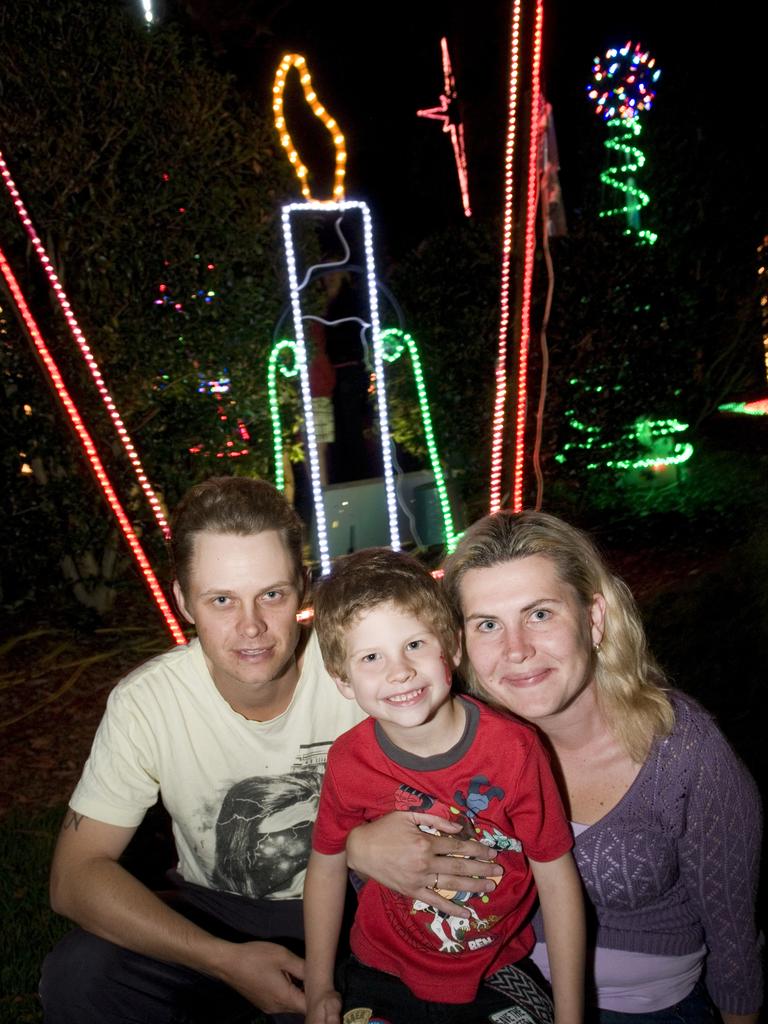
(454, 934)
(264, 827)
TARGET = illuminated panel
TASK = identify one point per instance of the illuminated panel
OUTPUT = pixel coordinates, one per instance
(530, 249)
(90, 451)
(506, 254)
(448, 113)
(82, 344)
(274, 401)
(295, 60)
(378, 364)
(394, 342)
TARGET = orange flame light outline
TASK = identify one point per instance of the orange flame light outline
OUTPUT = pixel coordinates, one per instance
(295, 60)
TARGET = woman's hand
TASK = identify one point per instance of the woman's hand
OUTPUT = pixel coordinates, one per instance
(395, 852)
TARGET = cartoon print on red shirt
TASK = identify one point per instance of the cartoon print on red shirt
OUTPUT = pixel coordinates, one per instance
(451, 932)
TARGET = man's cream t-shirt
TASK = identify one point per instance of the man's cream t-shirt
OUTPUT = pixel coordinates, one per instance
(242, 795)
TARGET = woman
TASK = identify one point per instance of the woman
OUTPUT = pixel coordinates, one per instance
(665, 817)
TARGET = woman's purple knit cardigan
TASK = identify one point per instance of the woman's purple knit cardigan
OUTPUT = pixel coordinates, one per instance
(675, 864)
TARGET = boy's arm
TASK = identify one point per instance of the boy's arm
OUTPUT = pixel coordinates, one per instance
(324, 892)
(562, 906)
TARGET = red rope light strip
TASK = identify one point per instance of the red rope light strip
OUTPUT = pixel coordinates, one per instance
(82, 344)
(530, 249)
(506, 252)
(90, 450)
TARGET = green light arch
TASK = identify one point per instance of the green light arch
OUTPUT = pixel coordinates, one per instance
(287, 370)
(394, 342)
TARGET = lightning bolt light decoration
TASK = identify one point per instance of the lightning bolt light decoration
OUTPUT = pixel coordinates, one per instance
(447, 112)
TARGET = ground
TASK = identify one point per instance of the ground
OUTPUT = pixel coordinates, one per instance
(698, 574)
(52, 693)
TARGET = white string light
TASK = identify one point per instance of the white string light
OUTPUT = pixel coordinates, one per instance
(306, 396)
(378, 366)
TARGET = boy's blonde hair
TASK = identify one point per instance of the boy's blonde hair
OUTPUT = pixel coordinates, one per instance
(369, 578)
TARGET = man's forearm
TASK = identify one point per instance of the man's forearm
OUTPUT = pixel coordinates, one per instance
(105, 899)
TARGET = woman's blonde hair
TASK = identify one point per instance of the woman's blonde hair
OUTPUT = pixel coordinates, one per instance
(629, 683)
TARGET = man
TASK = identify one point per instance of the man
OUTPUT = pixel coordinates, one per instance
(232, 731)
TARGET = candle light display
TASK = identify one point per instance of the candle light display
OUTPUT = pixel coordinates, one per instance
(295, 60)
(312, 207)
(378, 365)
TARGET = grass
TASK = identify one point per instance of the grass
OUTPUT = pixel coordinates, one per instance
(29, 929)
(708, 626)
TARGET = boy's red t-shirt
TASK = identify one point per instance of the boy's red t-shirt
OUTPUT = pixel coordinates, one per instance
(497, 780)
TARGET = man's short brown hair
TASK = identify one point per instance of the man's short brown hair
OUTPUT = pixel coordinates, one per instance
(232, 504)
(366, 579)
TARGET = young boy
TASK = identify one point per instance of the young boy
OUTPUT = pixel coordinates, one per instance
(390, 640)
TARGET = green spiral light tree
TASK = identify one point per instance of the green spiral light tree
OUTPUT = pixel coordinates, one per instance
(622, 89)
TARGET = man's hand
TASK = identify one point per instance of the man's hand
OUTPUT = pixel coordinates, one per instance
(325, 1009)
(395, 852)
(91, 888)
(264, 973)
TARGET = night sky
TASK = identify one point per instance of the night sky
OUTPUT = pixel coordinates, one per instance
(373, 65)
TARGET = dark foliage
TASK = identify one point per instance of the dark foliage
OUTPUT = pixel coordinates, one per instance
(142, 167)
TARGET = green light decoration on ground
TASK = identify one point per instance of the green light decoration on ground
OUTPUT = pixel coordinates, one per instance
(759, 408)
(656, 436)
(287, 369)
(394, 342)
(622, 88)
